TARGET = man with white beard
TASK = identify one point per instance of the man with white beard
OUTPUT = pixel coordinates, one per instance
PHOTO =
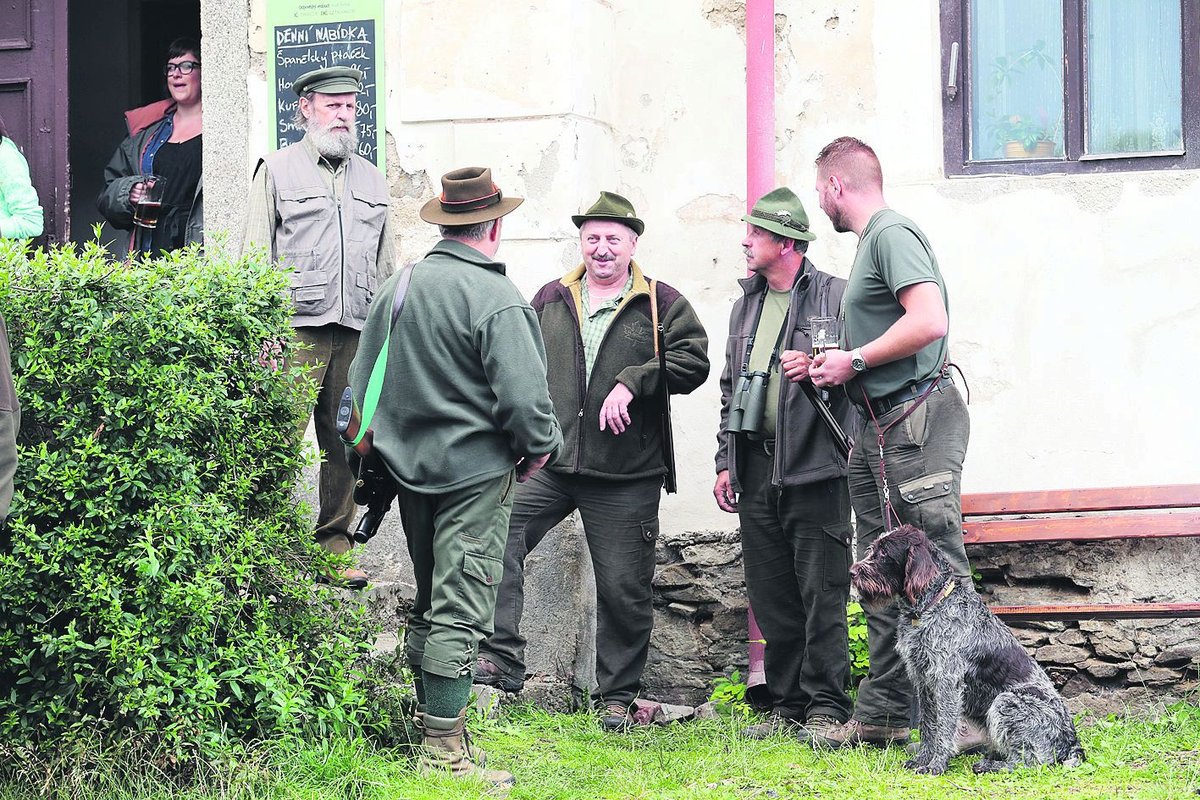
(320, 210)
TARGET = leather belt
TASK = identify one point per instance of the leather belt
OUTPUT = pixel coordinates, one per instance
(882, 405)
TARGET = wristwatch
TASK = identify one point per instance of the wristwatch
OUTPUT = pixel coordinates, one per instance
(857, 362)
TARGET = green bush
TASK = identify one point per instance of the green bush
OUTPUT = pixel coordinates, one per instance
(157, 587)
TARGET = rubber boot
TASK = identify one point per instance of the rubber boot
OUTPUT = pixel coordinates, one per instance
(445, 747)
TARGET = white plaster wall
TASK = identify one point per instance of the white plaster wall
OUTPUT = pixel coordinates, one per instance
(1073, 299)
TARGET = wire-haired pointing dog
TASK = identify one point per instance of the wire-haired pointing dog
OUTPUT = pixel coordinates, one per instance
(963, 661)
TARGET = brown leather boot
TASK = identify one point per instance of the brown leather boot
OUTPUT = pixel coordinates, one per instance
(853, 733)
(445, 747)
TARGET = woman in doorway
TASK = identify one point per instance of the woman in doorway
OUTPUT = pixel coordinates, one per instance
(20, 213)
(164, 141)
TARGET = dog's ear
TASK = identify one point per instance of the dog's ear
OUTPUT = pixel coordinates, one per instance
(920, 570)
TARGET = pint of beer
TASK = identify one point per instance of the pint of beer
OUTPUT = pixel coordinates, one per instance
(148, 208)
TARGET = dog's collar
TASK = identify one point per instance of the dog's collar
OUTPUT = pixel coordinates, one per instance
(950, 585)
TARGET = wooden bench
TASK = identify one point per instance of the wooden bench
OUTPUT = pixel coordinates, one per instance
(1085, 515)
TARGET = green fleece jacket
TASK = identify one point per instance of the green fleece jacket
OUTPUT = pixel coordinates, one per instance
(464, 396)
(627, 356)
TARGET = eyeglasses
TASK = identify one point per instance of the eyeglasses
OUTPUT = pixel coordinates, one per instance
(183, 67)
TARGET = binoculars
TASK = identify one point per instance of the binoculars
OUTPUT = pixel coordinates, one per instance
(749, 401)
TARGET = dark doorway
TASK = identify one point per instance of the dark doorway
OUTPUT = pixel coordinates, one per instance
(117, 50)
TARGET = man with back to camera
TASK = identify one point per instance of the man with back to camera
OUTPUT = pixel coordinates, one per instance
(893, 366)
(464, 415)
(604, 377)
(784, 476)
(321, 210)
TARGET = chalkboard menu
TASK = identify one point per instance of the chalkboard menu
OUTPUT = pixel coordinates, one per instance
(300, 47)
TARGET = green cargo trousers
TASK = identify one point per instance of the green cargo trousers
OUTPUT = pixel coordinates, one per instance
(10, 422)
(923, 456)
(456, 542)
(332, 349)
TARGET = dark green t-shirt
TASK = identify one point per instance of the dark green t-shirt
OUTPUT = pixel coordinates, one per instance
(892, 253)
(774, 315)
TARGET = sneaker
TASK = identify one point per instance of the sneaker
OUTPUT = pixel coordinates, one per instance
(616, 718)
(488, 673)
(817, 725)
(772, 725)
(854, 733)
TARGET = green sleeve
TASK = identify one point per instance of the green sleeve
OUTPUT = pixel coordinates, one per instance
(20, 212)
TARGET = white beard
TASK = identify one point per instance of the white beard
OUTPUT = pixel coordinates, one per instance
(331, 143)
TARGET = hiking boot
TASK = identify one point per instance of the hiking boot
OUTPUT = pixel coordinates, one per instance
(445, 747)
(969, 740)
(616, 718)
(487, 673)
(817, 725)
(772, 725)
(854, 733)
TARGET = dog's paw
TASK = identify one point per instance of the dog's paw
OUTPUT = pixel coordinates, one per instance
(917, 763)
(986, 765)
(932, 768)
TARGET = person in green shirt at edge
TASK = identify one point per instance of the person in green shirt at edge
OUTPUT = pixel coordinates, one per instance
(464, 415)
(892, 364)
(20, 218)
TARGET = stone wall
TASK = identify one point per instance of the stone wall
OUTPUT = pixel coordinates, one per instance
(1103, 666)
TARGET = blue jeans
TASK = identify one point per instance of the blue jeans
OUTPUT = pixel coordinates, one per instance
(923, 457)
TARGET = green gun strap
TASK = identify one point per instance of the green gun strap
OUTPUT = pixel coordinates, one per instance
(375, 382)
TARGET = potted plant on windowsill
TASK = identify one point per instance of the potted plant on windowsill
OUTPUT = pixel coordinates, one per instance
(1023, 136)
(1017, 132)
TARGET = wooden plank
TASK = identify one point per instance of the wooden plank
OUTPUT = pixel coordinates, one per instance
(1098, 611)
(1066, 500)
(1083, 529)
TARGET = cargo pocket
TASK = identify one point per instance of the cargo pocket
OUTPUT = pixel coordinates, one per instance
(308, 285)
(647, 560)
(929, 503)
(837, 557)
(370, 210)
(477, 601)
(303, 206)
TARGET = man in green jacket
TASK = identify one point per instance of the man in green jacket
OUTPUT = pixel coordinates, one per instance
(604, 377)
(10, 422)
(464, 414)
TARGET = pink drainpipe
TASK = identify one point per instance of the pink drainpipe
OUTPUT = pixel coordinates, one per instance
(760, 179)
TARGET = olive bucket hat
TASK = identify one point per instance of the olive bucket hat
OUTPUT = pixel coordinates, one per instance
(781, 212)
(611, 206)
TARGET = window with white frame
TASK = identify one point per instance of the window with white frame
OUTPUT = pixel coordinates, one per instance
(1038, 86)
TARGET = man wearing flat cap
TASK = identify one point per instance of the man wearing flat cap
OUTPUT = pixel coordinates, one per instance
(599, 325)
(464, 415)
(782, 474)
(320, 210)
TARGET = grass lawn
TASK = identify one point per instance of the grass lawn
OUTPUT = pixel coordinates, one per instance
(567, 756)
